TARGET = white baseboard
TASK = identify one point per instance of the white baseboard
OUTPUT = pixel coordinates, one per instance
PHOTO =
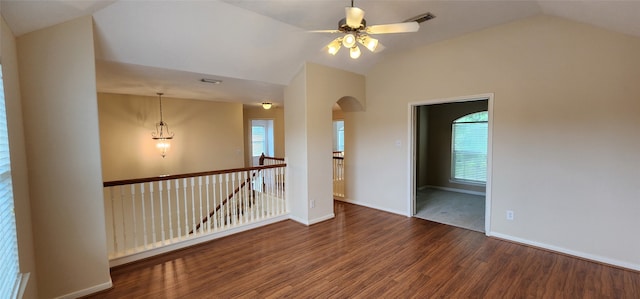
(88, 291)
(368, 205)
(588, 256)
(299, 220)
(194, 241)
(454, 190)
(323, 218)
(312, 221)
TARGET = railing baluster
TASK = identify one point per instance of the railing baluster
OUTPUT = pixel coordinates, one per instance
(282, 195)
(178, 224)
(162, 235)
(274, 191)
(247, 195)
(144, 217)
(200, 201)
(252, 195)
(170, 212)
(208, 207)
(193, 204)
(215, 212)
(242, 195)
(223, 206)
(135, 223)
(153, 215)
(281, 192)
(269, 192)
(122, 215)
(234, 199)
(228, 202)
(186, 211)
(263, 192)
(113, 221)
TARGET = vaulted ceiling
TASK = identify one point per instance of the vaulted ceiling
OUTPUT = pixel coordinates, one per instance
(256, 46)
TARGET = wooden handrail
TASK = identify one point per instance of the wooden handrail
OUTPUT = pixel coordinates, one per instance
(263, 157)
(186, 175)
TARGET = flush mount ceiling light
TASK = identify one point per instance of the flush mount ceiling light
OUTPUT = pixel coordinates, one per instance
(355, 30)
(162, 136)
(267, 105)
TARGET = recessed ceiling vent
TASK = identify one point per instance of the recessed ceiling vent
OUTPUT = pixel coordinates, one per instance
(210, 81)
(421, 18)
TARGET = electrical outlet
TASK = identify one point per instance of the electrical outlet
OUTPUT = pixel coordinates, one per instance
(509, 215)
(312, 203)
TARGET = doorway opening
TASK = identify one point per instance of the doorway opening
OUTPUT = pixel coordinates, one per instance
(451, 167)
(338, 152)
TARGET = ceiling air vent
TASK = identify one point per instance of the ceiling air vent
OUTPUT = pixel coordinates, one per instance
(421, 18)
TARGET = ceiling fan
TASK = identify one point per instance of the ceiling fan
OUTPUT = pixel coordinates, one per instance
(355, 30)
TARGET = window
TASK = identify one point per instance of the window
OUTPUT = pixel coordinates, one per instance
(338, 135)
(261, 139)
(258, 138)
(9, 270)
(469, 148)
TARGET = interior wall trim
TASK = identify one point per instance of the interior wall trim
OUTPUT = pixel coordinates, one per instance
(88, 291)
(579, 254)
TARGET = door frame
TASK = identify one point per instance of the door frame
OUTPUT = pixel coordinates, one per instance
(412, 150)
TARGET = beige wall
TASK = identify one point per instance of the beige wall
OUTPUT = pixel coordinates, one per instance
(309, 100)
(58, 88)
(295, 95)
(564, 115)
(19, 176)
(208, 136)
(438, 147)
(276, 113)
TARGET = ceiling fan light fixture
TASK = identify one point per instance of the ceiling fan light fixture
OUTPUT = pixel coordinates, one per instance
(369, 42)
(334, 46)
(355, 52)
(349, 40)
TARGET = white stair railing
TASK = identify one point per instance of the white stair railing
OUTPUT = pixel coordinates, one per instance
(151, 213)
(338, 174)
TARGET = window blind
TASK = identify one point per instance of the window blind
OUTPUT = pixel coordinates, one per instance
(9, 270)
(469, 148)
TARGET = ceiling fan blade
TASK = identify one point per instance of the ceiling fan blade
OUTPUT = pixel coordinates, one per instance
(354, 16)
(325, 31)
(393, 28)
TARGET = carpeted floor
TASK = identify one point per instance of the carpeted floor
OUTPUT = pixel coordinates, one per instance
(452, 208)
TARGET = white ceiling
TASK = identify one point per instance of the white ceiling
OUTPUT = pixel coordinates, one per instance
(257, 46)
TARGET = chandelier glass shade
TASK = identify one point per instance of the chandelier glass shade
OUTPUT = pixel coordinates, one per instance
(350, 41)
(162, 135)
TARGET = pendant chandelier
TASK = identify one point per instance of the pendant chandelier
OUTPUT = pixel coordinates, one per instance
(162, 136)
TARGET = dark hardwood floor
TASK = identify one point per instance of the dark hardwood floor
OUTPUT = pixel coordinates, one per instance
(365, 253)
